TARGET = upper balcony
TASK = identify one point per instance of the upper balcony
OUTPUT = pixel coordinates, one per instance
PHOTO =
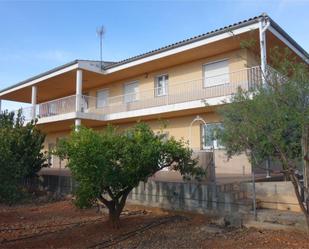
(176, 96)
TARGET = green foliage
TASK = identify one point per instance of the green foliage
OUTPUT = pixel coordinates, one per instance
(268, 121)
(113, 162)
(20, 154)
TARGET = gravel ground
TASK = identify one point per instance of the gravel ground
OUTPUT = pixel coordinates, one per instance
(61, 225)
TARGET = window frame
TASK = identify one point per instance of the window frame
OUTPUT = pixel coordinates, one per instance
(156, 85)
(215, 141)
(213, 62)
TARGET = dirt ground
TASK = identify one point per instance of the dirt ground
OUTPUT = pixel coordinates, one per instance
(61, 225)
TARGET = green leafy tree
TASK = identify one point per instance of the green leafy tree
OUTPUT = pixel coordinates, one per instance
(271, 120)
(21, 154)
(109, 164)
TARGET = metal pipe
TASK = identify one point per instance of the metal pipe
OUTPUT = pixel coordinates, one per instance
(264, 24)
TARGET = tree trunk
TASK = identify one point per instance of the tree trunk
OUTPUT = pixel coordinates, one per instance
(114, 218)
(305, 154)
(297, 187)
(115, 207)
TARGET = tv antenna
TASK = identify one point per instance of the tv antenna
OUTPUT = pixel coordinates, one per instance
(100, 33)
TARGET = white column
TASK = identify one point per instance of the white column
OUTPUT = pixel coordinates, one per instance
(34, 100)
(79, 87)
(79, 91)
(0, 105)
(78, 123)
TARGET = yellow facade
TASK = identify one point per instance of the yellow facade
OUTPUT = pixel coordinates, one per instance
(179, 127)
(177, 74)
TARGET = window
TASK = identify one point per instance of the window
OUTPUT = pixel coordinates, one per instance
(102, 98)
(161, 84)
(210, 136)
(131, 92)
(216, 73)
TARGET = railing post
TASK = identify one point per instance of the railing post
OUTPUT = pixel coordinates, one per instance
(34, 91)
(79, 87)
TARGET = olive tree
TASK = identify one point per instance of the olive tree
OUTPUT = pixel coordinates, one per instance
(108, 164)
(271, 120)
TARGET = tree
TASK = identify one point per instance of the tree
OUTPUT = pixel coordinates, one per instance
(271, 120)
(108, 164)
(21, 154)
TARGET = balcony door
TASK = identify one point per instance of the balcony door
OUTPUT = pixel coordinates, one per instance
(161, 84)
(102, 98)
(216, 73)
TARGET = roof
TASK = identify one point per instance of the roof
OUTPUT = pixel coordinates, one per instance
(189, 40)
(109, 64)
(71, 63)
(209, 34)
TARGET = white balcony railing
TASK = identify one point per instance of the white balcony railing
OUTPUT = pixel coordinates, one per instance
(176, 92)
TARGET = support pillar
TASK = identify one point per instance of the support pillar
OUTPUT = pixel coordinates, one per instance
(0, 106)
(79, 87)
(34, 92)
(78, 123)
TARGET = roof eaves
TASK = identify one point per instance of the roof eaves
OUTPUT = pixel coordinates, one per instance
(40, 75)
(288, 37)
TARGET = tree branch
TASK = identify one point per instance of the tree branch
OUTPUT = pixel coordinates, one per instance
(104, 201)
(109, 191)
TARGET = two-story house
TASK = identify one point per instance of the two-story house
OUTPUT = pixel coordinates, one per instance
(171, 83)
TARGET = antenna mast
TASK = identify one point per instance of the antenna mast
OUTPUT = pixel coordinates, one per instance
(100, 33)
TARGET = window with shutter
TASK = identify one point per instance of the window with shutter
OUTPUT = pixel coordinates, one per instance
(216, 73)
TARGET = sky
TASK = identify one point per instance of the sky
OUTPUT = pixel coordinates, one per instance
(39, 35)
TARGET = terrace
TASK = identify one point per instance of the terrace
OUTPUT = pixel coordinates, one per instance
(176, 96)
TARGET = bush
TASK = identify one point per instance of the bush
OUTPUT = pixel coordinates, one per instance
(21, 154)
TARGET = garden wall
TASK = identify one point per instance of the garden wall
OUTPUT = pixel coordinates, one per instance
(274, 195)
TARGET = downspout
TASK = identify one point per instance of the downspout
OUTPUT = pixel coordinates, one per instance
(263, 26)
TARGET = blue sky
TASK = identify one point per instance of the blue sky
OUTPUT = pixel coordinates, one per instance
(39, 35)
